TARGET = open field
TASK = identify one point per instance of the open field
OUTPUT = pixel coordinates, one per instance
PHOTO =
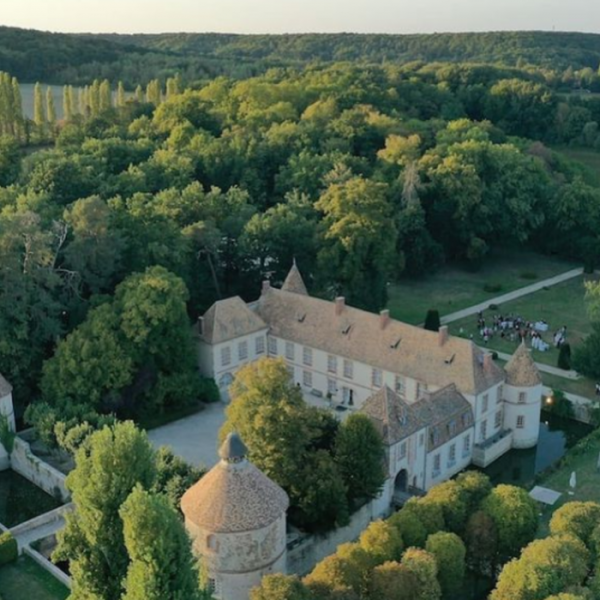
(26, 580)
(454, 288)
(587, 156)
(559, 305)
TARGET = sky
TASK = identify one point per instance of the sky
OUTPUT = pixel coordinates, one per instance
(294, 16)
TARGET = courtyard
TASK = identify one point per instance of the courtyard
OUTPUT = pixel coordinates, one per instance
(26, 580)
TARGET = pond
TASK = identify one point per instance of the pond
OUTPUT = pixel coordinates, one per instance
(20, 500)
(519, 467)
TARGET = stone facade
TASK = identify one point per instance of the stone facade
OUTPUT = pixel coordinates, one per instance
(7, 412)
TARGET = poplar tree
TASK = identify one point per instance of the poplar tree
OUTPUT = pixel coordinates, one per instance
(121, 94)
(83, 101)
(104, 96)
(94, 98)
(153, 92)
(38, 106)
(173, 86)
(66, 107)
(50, 108)
(18, 106)
(139, 94)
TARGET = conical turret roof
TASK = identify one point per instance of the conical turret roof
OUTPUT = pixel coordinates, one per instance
(521, 370)
(294, 282)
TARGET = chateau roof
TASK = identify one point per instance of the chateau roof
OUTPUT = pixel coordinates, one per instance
(229, 319)
(358, 335)
(294, 282)
(393, 417)
(5, 387)
(234, 496)
(521, 370)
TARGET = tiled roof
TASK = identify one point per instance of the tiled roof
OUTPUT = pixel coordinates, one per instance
(229, 319)
(294, 282)
(358, 335)
(394, 418)
(234, 497)
(521, 369)
(5, 387)
(447, 412)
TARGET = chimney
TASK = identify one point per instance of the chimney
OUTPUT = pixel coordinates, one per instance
(443, 334)
(487, 361)
(266, 286)
(200, 325)
(340, 303)
(384, 318)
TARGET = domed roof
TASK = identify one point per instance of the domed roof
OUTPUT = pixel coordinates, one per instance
(521, 370)
(294, 282)
(234, 496)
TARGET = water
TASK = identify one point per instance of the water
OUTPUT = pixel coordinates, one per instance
(20, 500)
(519, 467)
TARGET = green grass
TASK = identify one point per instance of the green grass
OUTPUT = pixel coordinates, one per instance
(586, 156)
(588, 483)
(454, 288)
(26, 580)
(159, 419)
(561, 304)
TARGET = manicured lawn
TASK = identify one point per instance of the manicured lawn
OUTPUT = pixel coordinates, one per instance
(26, 580)
(455, 288)
(562, 304)
(588, 482)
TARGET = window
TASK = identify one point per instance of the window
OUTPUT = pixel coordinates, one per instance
(259, 344)
(331, 386)
(421, 439)
(402, 449)
(307, 356)
(376, 377)
(521, 397)
(466, 445)
(272, 345)
(242, 350)
(484, 403)
(500, 394)
(452, 455)
(289, 350)
(225, 356)
(400, 385)
(451, 428)
(436, 465)
(520, 422)
(211, 542)
(331, 364)
(348, 369)
(307, 378)
(212, 585)
(498, 420)
(483, 431)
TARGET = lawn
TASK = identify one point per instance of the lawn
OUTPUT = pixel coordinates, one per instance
(455, 288)
(588, 482)
(26, 580)
(588, 157)
(561, 304)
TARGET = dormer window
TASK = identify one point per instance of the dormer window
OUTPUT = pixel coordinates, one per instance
(394, 345)
(346, 329)
(301, 317)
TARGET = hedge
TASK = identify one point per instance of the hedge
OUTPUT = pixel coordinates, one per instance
(9, 551)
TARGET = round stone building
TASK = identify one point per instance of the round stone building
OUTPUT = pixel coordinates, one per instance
(236, 517)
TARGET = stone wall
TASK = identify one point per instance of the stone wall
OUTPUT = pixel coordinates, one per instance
(40, 473)
(305, 552)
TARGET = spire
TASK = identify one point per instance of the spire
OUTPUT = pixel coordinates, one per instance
(521, 370)
(294, 282)
(233, 450)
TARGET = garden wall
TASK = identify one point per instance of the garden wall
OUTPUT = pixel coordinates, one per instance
(40, 473)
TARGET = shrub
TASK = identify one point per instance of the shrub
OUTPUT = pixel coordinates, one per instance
(558, 404)
(432, 320)
(492, 288)
(564, 357)
(494, 306)
(9, 551)
(494, 355)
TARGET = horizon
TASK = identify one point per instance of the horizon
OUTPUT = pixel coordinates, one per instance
(274, 17)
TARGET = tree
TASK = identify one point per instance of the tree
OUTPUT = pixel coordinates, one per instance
(481, 539)
(280, 587)
(121, 98)
(10, 160)
(161, 562)
(576, 518)
(564, 356)
(586, 356)
(38, 106)
(545, 567)
(382, 541)
(475, 487)
(432, 320)
(394, 581)
(450, 498)
(514, 514)
(105, 96)
(449, 553)
(358, 238)
(410, 527)
(50, 108)
(113, 462)
(423, 566)
(360, 456)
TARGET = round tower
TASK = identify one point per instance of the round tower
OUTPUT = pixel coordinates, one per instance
(236, 517)
(523, 398)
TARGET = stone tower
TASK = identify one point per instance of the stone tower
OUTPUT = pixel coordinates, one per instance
(236, 517)
(7, 412)
(523, 398)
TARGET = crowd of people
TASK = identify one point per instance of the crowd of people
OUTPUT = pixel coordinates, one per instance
(516, 329)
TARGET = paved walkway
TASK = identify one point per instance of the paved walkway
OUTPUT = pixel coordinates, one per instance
(195, 438)
(530, 289)
(541, 366)
(28, 537)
